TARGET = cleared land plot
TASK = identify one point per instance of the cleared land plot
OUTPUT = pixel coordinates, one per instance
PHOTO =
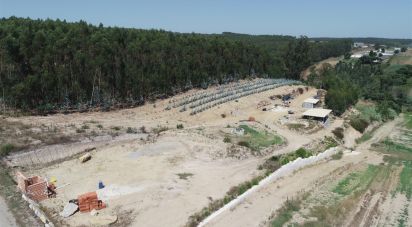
(402, 58)
(172, 172)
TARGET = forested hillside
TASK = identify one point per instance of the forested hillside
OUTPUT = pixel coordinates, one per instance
(373, 40)
(389, 86)
(54, 65)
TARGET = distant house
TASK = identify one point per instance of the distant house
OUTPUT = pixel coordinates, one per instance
(360, 45)
(310, 103)
(318, 114)
(356, 55)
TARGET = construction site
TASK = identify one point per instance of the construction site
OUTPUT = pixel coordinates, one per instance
(230, 155)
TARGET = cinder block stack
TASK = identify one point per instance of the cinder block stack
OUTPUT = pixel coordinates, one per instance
(89, 202)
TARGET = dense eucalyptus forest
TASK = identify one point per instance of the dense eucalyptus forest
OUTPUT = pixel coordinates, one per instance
(50, 65)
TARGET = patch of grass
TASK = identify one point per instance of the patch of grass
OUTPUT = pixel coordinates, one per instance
(85, 127)
(275, 162)
(303, 153)
(159, 129)
(359, 124)
(285, 213)
(257, 140)
(329, 142)
(99, 126)
(408, 120)
(368, 112)
(405, 183)
(365, 137)
(396, 147)
(295, 126)
(356, 181)
(184, 176)
(5, 149)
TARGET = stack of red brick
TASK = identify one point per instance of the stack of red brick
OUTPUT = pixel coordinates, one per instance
(89, 202)
(34, 187)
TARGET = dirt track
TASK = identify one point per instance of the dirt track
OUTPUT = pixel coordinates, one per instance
(256, 209)
(6, 218)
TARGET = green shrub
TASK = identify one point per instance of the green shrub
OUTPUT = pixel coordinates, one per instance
(302, 152)
(131, 130)
(6, 149)
(227, 139)
(99, 126)
(116, 128)
(143, 129)
(359, 124)
(244, 144)
(338, 132)
(179, 126)
(284, 160)
(368, 113)
(85, 127)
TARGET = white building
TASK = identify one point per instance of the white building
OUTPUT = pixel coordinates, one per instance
(318, 114)
(310, 103)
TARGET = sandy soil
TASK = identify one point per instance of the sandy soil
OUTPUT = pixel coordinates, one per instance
(257, 209)
(6, 218)
(164, 181)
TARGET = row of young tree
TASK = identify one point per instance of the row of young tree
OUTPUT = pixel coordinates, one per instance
(388, 85)
(49, 64)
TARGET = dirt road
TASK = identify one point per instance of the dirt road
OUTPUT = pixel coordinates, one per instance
(6, 218)
(257, 209)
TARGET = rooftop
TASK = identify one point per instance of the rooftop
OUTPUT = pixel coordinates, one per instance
(317, 112)
(311, 100)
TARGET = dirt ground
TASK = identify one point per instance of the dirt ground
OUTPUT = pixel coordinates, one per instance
(258, 209)
(6, 218)
(163, 180)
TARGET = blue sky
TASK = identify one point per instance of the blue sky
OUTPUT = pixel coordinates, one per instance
(314, 18)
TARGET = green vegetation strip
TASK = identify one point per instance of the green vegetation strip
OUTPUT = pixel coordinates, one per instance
(257, 140)
(285, 213)
(405, 184)
(356, 181)
(396, 147)
(408, 120)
